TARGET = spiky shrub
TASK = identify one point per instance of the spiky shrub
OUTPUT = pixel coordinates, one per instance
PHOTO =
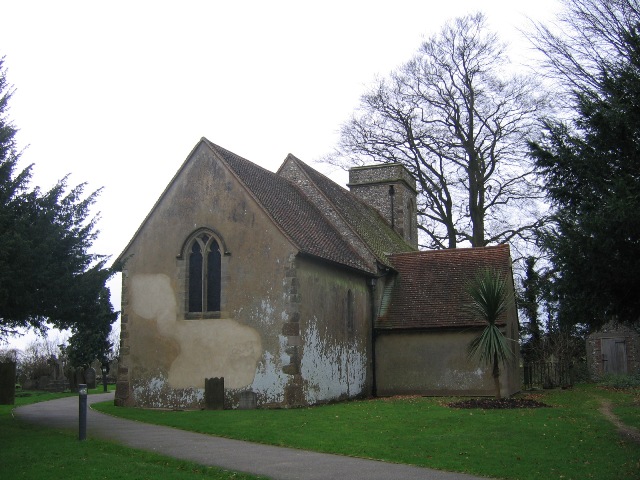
(489, 300)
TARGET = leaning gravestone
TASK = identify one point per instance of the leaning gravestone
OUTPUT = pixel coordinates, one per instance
(7, 383)
(90, 377)
(214, 393)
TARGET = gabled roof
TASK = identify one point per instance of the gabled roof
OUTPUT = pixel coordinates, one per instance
(365, 227)
(429, 290)
(293, 212)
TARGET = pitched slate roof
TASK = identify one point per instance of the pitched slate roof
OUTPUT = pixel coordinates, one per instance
(297, 215)
(429, 288)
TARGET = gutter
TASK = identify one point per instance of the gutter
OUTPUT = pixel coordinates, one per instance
(371, 282)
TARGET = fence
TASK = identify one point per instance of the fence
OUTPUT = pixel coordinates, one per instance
(547, 375)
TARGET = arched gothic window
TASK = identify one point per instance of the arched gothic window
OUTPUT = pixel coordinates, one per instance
(204, 274)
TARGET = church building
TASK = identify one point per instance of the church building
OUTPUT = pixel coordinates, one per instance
(296, 291)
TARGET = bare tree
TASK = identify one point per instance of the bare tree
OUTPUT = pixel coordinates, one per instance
(589, 36)
(458, 120)
(33, 361)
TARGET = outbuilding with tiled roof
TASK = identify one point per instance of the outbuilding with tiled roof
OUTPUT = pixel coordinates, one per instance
(423, 327)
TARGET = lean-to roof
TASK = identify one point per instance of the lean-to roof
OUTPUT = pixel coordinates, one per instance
(429, 290)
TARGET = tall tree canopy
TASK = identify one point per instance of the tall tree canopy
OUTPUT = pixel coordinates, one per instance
(592, 172)
(592, 33)
(458, 121)
(47, 273)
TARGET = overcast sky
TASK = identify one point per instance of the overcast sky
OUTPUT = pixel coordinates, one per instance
(118, 93)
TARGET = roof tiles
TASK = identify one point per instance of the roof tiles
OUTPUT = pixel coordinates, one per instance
(296, 214)
(429, 291)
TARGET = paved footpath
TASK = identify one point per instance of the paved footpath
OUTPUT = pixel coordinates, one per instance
(274, 462)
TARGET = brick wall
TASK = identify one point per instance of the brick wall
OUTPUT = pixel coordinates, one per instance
(613, 330)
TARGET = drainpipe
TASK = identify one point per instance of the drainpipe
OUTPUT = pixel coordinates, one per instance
(392, 193)
(372, 290)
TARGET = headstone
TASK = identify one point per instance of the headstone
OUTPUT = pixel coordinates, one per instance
(79, 378)
(248, 400)
(29, 384)
(214, 393)
(57, 370)
(90, 377)
(43, 382)
(7, 383)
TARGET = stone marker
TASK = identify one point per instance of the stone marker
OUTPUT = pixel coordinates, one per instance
(247, 400)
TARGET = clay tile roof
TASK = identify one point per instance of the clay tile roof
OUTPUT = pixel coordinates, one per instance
(429, 289)
(367, 222)
(295, 215)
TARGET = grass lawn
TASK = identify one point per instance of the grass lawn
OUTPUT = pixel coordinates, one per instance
(32, 452)
(571, 440)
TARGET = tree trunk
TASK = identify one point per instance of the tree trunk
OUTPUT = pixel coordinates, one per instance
(476, 190)
(496, 375)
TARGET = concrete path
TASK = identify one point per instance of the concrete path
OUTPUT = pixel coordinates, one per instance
(275, 462)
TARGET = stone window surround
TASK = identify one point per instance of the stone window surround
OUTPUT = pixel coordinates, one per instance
(182, 264)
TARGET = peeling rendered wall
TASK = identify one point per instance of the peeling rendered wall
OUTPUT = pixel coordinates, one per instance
(166, 357)
(332, 370)
(435, 363)
(334, 361)
(225, 348)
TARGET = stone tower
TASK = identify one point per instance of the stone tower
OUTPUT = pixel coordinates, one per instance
(391, 190)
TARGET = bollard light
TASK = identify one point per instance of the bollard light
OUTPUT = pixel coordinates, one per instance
(82, 411)
(105, 372)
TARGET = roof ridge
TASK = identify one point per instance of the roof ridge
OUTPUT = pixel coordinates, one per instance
(304, 169)
(216, 149)
(239, 157)
(331, 244)
(451, 250)
(310, 172)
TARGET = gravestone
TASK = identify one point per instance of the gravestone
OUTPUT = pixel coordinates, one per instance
(248, 400)
(90, 377)
(214, 393)
(56, 365)
(7, 383)
(43, 382)
(56, 381)
(30, 384)
(77, 378)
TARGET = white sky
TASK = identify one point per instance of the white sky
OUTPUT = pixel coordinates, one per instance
(118, 93)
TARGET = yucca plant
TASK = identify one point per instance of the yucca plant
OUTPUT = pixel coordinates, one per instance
(489, 299)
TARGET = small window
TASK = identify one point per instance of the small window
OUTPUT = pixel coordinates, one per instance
(350, 312)
(411, 220)
(204, 275)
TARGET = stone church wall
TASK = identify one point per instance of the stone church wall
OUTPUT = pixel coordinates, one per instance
(166, 356)
(372, 185)
(435, 363)
(291, 330)
(335, 333)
